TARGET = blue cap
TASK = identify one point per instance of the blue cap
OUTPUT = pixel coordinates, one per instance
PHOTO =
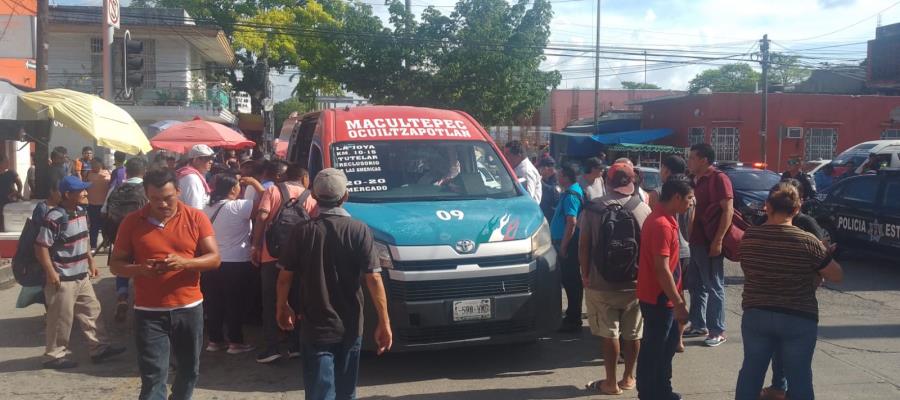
(72, 184)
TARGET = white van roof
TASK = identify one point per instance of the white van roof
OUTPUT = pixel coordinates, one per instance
(874, 146)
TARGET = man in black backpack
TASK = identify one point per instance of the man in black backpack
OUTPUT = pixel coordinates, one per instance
(268, 226)
(608, 254)
(125, 199)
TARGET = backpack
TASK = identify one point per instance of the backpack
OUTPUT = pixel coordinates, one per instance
(618, 243)
(289, 214)
(125, 199)
(26, 269)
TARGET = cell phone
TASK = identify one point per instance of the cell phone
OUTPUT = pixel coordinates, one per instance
(157, 264)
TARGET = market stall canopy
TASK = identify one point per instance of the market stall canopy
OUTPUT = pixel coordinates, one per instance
(650, 148)
(92, 117)
(180, 137)
(160, 126)
(9, 98)
(639, 136)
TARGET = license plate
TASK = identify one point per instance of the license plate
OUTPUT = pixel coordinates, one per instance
(467, 310)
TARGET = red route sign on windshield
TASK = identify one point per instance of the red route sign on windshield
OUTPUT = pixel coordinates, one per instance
(403, 123)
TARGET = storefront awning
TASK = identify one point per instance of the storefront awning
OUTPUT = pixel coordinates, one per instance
(632, 137)
(650, 148)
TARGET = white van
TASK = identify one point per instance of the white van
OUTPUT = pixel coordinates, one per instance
(889, 156)
(857, 155)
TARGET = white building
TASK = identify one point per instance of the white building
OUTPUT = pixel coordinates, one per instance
(183, 65)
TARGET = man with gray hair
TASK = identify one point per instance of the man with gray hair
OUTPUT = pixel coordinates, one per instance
(329, 254)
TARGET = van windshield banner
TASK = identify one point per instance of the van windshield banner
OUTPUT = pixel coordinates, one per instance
(405, 128)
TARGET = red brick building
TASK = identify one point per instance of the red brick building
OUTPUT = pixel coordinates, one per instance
(565, 105)
(811, 125)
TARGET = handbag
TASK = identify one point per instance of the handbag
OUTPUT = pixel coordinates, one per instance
(731, 242)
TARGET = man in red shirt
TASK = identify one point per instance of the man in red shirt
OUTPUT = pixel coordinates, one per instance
(164, 247)
(707, 262)
(659, 292)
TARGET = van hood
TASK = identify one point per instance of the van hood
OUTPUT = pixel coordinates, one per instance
(429, 223)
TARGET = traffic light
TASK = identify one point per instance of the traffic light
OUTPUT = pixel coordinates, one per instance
(132, 62)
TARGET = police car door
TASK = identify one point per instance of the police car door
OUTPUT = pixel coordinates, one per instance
(889, 216)
(854, 209)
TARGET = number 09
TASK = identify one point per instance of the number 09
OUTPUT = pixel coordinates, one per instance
(448, 215)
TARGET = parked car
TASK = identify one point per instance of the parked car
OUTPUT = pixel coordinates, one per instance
(650, 179)
(751, 189)
(811, 167)
(862, 212)
(857, 155)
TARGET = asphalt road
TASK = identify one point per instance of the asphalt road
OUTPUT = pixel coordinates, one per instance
(857, 357)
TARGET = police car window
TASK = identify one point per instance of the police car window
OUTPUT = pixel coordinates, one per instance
(861, 190)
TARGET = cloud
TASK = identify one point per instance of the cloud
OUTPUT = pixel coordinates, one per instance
(835, 3)
(649, 16)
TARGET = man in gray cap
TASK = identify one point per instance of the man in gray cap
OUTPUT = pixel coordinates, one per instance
(329, 254)
(192, 185)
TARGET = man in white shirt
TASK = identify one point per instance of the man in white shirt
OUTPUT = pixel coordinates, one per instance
(592, 179)
(194, 191)
(514, 152)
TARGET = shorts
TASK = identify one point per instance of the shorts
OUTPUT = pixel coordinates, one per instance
(614, 314)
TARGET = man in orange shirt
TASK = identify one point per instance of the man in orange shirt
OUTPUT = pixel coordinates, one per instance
(164, 247)
(296, 180)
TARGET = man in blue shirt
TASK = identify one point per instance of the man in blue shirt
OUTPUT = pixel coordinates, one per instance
(564, 232)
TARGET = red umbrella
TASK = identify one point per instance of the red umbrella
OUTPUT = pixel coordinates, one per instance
(181, 137)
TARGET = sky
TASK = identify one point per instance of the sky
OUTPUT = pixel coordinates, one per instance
(709, 28)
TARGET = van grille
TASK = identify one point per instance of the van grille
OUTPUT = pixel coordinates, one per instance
(462, 288)
(483, 262)
(463, 331)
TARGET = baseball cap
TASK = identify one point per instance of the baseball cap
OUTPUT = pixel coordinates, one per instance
(546, 162)
(72, 184)
(330, 185)
(200, 150)
(620, 177)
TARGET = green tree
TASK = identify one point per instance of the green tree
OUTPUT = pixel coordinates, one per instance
(786, 70)
(482, 58)
(737, 77)
(638, 85)
(284, 108)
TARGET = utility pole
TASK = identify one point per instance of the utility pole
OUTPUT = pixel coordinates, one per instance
(409, 6)
(108, 36)
(41, 147)
(597, 73)
(645, 68)
(764, 60)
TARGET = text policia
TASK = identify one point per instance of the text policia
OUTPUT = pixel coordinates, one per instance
(410, 127)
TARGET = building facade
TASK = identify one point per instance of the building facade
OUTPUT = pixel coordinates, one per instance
(814, 126)
(17, 43)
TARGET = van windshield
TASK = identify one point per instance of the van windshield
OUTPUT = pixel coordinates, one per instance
(395, 171)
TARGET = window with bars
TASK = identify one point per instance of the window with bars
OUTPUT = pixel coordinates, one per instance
(727, 144)
(820, 143)
(890, 134)
(696, 136)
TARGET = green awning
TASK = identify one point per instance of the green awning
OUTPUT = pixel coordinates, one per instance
(650, 148)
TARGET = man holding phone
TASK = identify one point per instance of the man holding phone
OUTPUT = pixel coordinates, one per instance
(164, 247)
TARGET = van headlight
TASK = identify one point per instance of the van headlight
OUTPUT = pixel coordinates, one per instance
(384, 255)
(540, 241)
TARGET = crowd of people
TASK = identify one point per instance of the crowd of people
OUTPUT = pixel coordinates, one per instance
(629, 256)
(201, 240)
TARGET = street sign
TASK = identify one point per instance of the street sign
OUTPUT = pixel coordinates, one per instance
(112, 13)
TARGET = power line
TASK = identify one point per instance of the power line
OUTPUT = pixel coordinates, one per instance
(846, 27)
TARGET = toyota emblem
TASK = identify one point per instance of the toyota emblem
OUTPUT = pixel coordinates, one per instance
(465, 246)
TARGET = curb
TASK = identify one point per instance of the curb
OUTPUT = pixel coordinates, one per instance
(7, 279)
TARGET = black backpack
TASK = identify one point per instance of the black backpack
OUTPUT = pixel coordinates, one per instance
(26, 268)
(618, 243)
(124, 200)
(289, 214)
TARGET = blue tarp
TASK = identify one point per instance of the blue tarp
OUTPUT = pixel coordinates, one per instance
(639, 136)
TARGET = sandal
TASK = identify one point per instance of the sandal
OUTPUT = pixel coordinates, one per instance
(597, 387)
(624, 387)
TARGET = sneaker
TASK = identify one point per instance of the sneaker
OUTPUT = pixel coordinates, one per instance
(121, 311)
(60, 363)
(238, 348)
(714, 341)
(213, 346)
(693, 332)
(268, 356)
(107, 352)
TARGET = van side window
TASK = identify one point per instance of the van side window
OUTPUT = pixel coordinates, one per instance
(303, 139)
(315, 161)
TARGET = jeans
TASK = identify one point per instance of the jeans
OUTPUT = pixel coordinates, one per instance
(224, 296)
(708, 291)
(159, 332)
(95, 222)
(122, 287)
(779, 381)
(330, 371)
(654, 365)
(571, 282)
(271, 331)
(765, 331)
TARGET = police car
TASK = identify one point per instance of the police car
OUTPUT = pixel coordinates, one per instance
(861, 211)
